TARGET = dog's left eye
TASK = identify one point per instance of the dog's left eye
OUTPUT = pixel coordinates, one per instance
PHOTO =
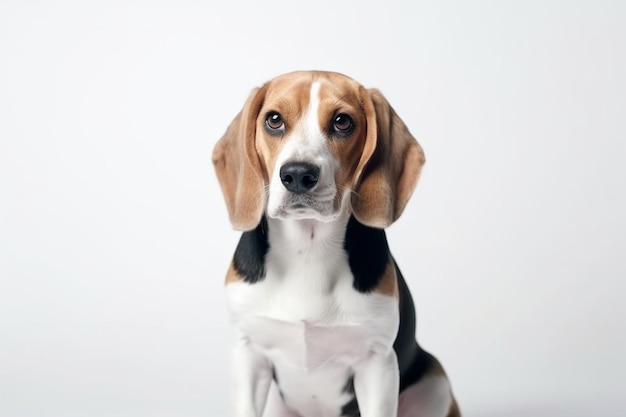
(274, 122)
(343, 124)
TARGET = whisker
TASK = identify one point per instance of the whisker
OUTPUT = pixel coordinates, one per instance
(344, 188)
(350, 190)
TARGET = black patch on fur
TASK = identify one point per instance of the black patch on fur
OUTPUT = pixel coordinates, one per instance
(275, 378)
(249, 259)
(349, 387)
(413, 361)
(423, 363)
(368, 254)
(351, 408)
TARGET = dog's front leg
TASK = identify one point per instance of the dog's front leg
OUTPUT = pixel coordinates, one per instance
(252, 375)
(376, 385)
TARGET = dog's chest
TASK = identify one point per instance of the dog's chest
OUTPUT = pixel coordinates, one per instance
(308, 320)
(309, 315)
(313, 339)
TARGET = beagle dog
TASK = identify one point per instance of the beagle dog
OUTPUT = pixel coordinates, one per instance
(313, 169)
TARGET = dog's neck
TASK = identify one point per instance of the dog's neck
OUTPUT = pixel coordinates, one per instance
(315, 243)
(307, 237)
(287, 244)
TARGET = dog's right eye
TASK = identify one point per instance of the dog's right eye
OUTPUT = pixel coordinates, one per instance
(274, 123)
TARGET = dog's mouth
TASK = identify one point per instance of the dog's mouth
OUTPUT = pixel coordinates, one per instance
(304, 206)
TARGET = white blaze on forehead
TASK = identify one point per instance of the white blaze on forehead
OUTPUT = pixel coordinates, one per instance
(307, 143)
(307, 132)
(312, 121)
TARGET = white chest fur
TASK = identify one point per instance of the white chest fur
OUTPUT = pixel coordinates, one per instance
(306, 317)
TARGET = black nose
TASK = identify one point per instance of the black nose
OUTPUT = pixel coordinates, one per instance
(299, 177)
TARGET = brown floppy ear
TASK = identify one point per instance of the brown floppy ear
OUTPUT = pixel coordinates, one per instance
(390, 166)
(238, 167)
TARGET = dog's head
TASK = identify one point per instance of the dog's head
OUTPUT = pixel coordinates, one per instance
(312, 145)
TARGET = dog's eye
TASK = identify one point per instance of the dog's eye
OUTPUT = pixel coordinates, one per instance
(274, 123)
(343, 124)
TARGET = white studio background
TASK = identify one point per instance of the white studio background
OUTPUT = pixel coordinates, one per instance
(114, 238)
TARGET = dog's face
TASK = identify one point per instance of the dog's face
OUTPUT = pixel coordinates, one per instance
(313, 145)
(310, 135)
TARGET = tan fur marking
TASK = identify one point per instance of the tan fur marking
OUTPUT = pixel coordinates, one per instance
(454, 409)
(388, 285)
(232, 276)
(436, 369)
(238, 167)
